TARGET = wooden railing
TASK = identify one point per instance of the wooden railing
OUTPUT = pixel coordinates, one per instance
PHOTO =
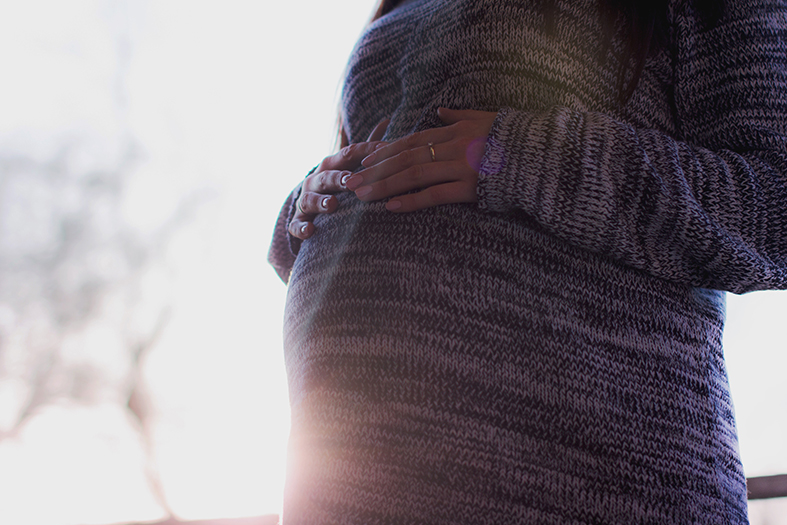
(761, 487)
(765, 487)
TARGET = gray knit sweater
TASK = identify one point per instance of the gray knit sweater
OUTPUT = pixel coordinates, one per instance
(551, 354)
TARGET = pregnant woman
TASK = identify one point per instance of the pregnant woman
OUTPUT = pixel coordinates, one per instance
(506, 292)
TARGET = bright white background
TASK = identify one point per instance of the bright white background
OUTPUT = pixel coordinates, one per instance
(224, 107)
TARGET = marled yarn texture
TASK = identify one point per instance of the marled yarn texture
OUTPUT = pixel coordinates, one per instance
(551, 354)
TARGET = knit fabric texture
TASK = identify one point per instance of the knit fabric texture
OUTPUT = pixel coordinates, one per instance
(551, 354)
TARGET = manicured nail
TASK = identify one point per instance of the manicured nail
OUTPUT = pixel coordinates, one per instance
(393, 205)
(353, 181)
(303, 228)
(345, 177)
(324, 202)
(362, 192)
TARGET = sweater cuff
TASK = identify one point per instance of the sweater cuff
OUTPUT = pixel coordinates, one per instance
(504, 180)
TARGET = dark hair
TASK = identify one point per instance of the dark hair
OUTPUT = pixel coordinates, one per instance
(646, 30)
(384, 7)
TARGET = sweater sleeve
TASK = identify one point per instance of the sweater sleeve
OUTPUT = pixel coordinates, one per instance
(708, 210)
(284, 247)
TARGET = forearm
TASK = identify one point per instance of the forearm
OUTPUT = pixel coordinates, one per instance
(689, 215)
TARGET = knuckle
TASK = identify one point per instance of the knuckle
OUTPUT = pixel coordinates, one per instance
(314, 203)
(321, 181)
(306, 202)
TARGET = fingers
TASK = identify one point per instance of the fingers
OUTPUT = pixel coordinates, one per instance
(398, 163)
(416, 177)
(452, 192)
(379, 131)
(310, 204)
(349, 157)
(300, 229)
(442, 163)
(327, 182)
(329, 178)
(307, 207)
(465, 122)
(412, 141)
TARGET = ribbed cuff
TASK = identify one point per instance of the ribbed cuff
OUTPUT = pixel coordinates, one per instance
(503, 177)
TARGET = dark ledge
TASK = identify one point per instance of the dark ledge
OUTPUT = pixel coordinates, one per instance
(764, 487)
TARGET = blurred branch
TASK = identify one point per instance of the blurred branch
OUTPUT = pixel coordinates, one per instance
(138, 404)
(38, 395)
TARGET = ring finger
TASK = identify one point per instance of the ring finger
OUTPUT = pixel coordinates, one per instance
(415, 177)
(427, 154)
(413, 141)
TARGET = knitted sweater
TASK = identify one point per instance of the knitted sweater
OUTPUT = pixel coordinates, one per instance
(551, 354)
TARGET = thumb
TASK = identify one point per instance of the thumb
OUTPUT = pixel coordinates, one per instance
(379, 130)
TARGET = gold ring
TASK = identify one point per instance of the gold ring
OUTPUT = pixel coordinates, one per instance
(431, 150)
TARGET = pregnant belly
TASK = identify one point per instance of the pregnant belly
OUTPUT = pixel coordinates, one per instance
(461, 354)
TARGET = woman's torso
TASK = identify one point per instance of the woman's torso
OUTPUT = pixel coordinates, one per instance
(455, 366)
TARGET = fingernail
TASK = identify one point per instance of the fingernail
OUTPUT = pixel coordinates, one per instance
(368, 161)
(345, 177)
(303, 228)
(393, 205)
(362, 192)
(324, 202)
(354, 181)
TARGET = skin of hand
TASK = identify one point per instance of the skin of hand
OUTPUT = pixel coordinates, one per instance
(330, 177)
(407, 164)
